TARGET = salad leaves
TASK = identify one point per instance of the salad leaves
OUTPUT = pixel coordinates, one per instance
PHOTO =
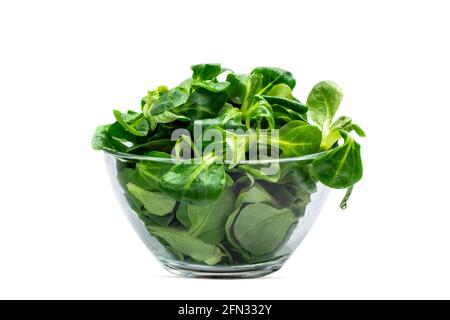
(210, 206)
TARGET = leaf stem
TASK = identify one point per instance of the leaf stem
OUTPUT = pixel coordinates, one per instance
(346, 197)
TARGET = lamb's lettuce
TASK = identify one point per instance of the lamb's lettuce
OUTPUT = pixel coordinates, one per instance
(212, 207)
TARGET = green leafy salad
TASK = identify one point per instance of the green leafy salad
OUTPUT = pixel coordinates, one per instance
(222, 167)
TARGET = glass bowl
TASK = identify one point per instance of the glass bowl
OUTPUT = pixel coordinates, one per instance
(265, 210)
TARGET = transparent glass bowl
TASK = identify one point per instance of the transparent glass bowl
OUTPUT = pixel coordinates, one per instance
(266, 227)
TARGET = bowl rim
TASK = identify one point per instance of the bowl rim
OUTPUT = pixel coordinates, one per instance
(127, 156)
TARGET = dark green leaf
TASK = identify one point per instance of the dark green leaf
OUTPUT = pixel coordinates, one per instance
(261, 171)
(274, 76)
(182, 214)
(134, 203)
(134, 123)
(103, 140)
(209, 71)
(170, 100)
(200, 183)
(117, 132)
(159, 141)
(212, 85)
(260, 219)
(152, 145)
(238, 87)
(202, 104)
(208, 222)
(241, 187)
(283, 115)
(279, 192)
(300, 176)
(160, 220)
(340, 167)
(287, 103)
(259, 115)
(125, 176)
(229, 118)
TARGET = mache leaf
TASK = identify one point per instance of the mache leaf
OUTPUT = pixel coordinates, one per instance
(273, 76)
(208, 222)
(260, 228)
(208, 71)
(172, 99)
(340, 167)
(182, 241)
(198, 183)
(155, 203)
(298, 138)
(323, 103)
(135, 123)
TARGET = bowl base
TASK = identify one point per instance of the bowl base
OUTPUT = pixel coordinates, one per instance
(223, 272)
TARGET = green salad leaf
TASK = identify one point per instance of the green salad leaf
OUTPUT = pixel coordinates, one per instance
(208, 222)
(323, 103)
(200, 183)
(297, 138)
(340, 167)
(154, 202)
(183, 242)
(132, 122)
(260, 228)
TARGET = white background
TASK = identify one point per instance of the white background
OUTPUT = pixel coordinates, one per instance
(64, 65)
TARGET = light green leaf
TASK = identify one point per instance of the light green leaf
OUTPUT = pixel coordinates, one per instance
(154, 202)
(257, 171)
(323, 102)
(281, 90)
(257, 194)
(252, 87)
(298, 138)
(168, 117)
(208, 222)
(182, 241)
(212, 85)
